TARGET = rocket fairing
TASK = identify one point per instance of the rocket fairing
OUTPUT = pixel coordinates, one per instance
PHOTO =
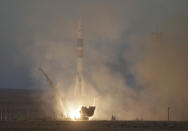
(80, 29)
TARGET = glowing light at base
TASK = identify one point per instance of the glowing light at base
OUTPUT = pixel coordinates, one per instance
(74, 114)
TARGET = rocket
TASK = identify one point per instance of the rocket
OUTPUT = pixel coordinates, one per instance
(79, 86)
(80, 39)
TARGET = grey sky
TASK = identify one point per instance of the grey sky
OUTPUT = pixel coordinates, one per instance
(22, 20)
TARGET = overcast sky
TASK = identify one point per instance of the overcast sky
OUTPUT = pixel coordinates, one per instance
(22, 21)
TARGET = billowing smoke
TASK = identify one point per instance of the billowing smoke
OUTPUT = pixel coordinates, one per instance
(161, 70)
(128, 75)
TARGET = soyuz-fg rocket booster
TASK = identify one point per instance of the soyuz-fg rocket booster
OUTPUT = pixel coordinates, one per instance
(79, 86)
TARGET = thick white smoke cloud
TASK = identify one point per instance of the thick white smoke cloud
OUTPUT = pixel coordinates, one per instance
(161, 69)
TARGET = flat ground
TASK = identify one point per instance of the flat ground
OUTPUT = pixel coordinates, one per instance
(93, 125)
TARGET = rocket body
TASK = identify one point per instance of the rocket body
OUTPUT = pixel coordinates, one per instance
(79, 86)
